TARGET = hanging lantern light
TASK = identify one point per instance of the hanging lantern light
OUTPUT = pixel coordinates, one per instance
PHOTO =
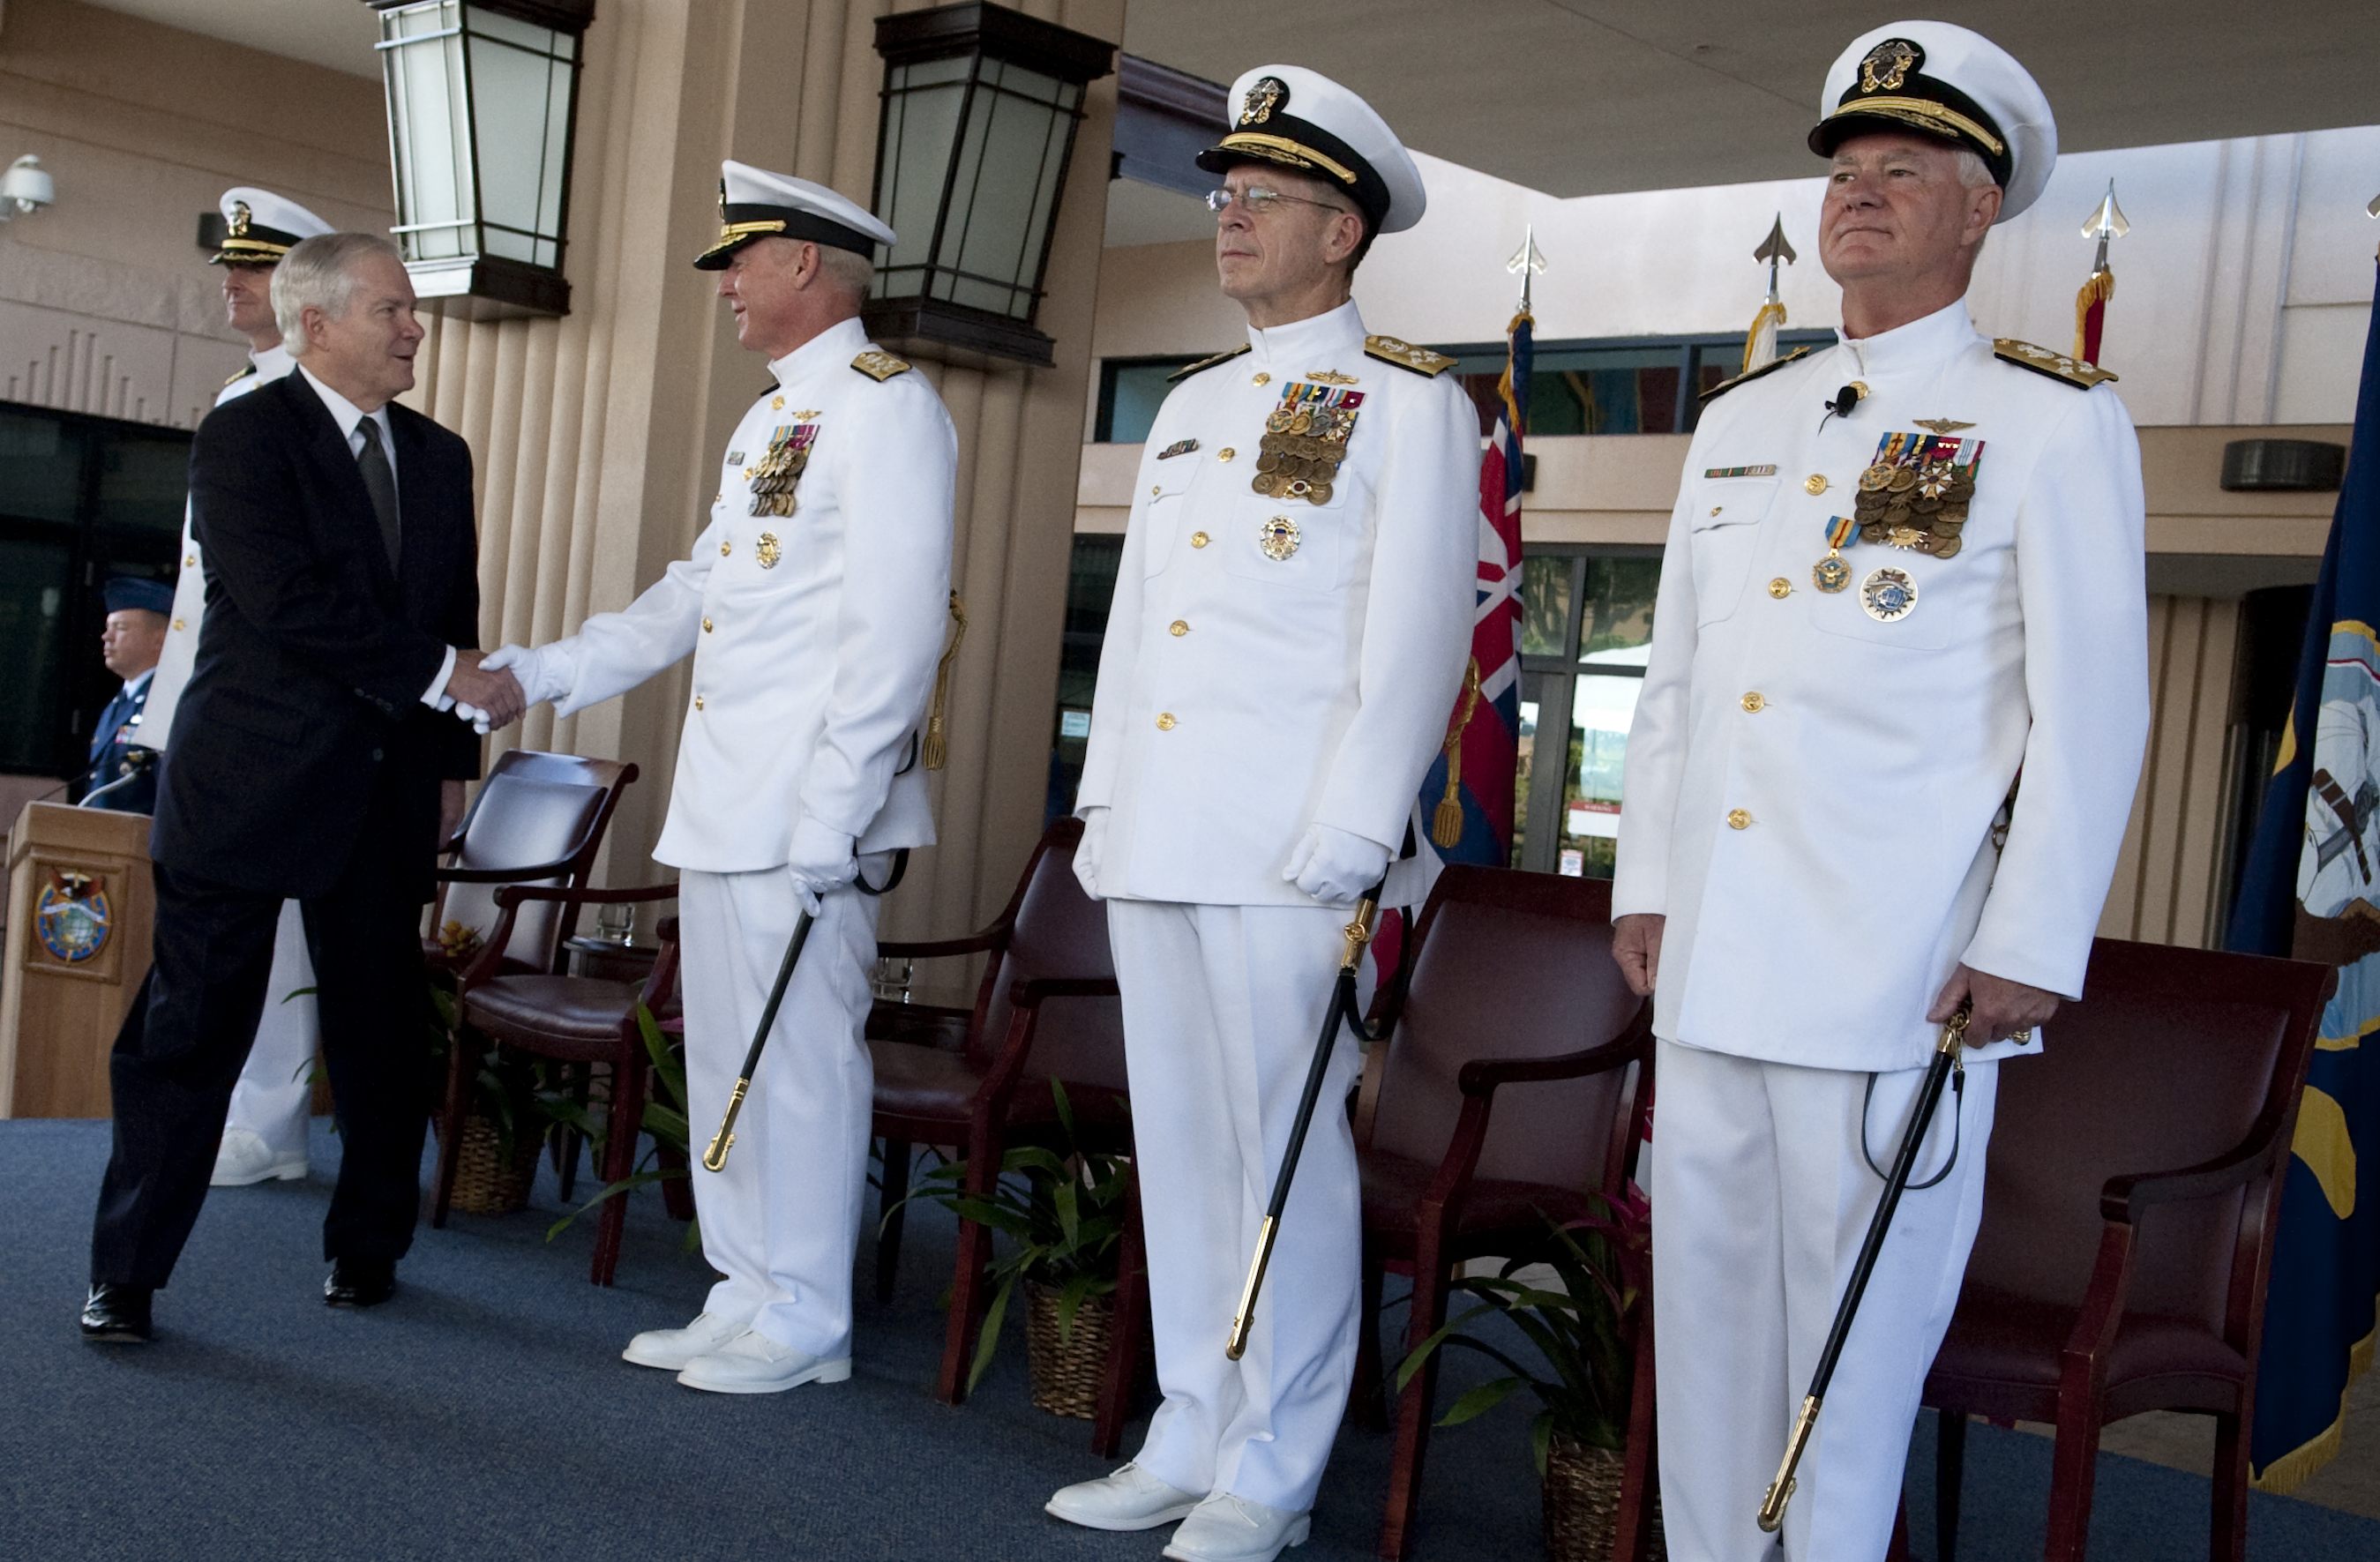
(482, 110)
(981, 108)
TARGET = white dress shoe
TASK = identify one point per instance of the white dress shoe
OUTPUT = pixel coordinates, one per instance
(1129, 1499)
(753, 1364)
(1229, 1529)
(671, 1349)
(243, 1158)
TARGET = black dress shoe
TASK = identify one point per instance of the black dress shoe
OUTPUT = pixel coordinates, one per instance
(360, 1282)
(117, 1314)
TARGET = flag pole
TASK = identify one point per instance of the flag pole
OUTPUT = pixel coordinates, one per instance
(2105, 222)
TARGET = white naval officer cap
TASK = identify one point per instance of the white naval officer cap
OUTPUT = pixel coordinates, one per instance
(260, 228)
(754, 203)
(1297, 118)
(1943, 80)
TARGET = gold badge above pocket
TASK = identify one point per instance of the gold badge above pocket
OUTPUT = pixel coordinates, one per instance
(768, 551)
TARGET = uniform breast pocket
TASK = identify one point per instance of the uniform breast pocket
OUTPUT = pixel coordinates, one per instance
(1290, 543)
(1899, 599)
(1722, 538)
(1160, 519)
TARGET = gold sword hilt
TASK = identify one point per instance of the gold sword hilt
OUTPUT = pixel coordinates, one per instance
(715, 1158)
(1781, 1491)
(1358, 933)
(1245, 1318)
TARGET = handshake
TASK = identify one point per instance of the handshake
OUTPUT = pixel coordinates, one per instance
(492, 689)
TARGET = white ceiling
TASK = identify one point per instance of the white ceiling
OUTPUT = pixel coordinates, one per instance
(336, 33)
(1581, 97)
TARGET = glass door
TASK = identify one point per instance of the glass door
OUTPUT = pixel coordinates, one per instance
(1587, 629)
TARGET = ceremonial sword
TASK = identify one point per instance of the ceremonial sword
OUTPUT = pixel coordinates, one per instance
(1929, 1096)
(1343, 1006)
(715, 1158)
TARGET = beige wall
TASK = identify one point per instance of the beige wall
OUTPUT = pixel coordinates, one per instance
(598, 435)
(143, 127)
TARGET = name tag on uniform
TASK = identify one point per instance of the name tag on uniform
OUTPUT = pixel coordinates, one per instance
(1179, 447)
(1766, 469)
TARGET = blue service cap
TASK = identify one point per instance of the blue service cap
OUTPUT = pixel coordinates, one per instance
(131, 591)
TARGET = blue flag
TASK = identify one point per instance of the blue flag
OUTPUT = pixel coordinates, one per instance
(2307, 890)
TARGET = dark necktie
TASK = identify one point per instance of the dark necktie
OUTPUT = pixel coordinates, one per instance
(380, 483)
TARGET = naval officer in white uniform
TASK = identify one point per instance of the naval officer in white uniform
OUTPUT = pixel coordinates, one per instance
(1290, 622)
(264, 1137)
(814, 606)
(1901, 569)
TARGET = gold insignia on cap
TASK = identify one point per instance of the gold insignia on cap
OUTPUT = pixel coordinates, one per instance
(878, 366)
(1404, 355)
(1269, 93)
(1888, 65)
(239, 216)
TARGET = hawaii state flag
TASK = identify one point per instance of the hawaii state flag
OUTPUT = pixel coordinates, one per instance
(1465, 811)
(2309, 890)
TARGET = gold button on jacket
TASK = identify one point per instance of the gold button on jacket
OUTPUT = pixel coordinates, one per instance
(1815, 482)
(1197, 539)
(698, 702)
(1755, 701)
(1780, 588)
(1165, 722)
(706, 626)
(1738, 819)
(1179, 627)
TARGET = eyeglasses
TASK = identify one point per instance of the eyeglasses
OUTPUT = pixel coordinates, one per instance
(1258, 201)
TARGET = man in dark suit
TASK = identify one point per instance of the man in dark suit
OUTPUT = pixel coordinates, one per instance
(123, 773)
(310, 762)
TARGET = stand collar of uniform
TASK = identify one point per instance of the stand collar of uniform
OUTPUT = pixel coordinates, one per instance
(1310, 341)
(272, 363)
(839, 343)
(1922, 343)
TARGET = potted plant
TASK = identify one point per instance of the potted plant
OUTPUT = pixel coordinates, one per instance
(1059, 1219)
(1583, 1325)
(665, 1118)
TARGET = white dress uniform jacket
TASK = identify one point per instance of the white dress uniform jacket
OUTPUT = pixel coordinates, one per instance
(814, 634)
(1244, 697)
(1810, 791)
(181, 652)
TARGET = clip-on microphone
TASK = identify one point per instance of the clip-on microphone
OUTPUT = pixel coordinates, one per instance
(1845, 399)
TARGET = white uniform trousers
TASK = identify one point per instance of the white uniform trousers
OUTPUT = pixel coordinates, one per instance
(1761, 1199)
(274, 1098)
(782, 1221)
(1221, 1008)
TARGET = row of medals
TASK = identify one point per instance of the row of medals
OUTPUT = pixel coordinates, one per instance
(1922, 507)
(1299, 455)
(773, 477)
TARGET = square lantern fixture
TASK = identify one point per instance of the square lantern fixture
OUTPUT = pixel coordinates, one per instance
(482, 110)
(980, 107)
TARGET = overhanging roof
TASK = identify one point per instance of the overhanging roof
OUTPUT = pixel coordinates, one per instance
(1587, 97)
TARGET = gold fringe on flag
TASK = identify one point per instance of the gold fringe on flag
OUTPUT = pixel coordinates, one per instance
(2097, 289)
(937, 747)
(1504, 380)
(1446, 821)
(1760, 342)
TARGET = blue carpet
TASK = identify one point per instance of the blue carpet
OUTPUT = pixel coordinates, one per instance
(485, 1413)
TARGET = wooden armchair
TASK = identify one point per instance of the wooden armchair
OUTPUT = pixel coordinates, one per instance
(538, 818)
(2098, 1289)
(582, 1020)
(1504, 1090)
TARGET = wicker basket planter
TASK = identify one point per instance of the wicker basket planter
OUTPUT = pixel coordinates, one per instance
(487, 1183)
(1582, 1495)
(1066, 1372)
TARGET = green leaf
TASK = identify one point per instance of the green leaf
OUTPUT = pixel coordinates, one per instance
(993, 1317)
(1479, 1401)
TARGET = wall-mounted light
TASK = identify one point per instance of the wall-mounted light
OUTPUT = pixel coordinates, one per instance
(482, 112)
(980, 107)
(25, 188)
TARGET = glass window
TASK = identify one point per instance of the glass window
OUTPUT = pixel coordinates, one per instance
(1091, 587)
(1131, 389)
(1602, 706)
(1545, 605)
(33, 578)
(1521, 778)
(1616, 614)
(41, 467)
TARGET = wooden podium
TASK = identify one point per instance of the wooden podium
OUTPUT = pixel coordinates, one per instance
(80, 906)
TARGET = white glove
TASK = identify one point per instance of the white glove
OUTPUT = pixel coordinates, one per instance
(544, 674)
(1087, 855)
(821, 862)
(1335, 865)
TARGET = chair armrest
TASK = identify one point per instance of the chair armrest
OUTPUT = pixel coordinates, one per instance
(512, 895)
(504, 875)
(2125, 1197)
(1481, 1076)
(1029, 992)
(935, 949)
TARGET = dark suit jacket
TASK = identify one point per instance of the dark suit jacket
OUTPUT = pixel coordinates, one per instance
(305, 701)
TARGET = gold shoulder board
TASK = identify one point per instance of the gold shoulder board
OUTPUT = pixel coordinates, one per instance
(240, 376)
(878, 366)
(1724, 386)
(2041, 360)
(1206, 364)
(1404, 355)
